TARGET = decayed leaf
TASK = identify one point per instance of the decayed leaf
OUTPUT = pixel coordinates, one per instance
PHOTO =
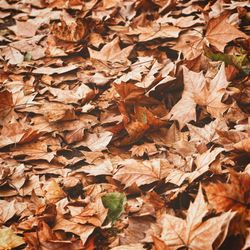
(231, 196)
(9, 240)
(193, 232)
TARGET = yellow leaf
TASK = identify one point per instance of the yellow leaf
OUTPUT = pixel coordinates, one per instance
(9, 240)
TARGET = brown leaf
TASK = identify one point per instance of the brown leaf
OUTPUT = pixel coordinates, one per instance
(45, 239)
(53, 192)
(112, 53)
(243, 145)
(141, 173)
(231, 196)
(68, 29)
(220, 32)
(9, 240)
(159, 244)
(194, 232)
(16, 133)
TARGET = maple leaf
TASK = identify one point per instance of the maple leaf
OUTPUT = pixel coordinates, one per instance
(16, 133)
(36, 150)
(247, 243)
(184, 110)
(243, 145)
(97, 142)
(159, 244)
(6, 102)
(53, 192)
(141, 173)
(231, 196)
(88, 91)
(112, 53)
(51, 71)
(197, 92)
(140, 150)
(46, 239)
(207, 133)
(137, 246)
(194, 233)
(190, 44)
(219, 32)
(115, 202)
(12, 55)
(68, 29)
(9, 240)
(24, 29)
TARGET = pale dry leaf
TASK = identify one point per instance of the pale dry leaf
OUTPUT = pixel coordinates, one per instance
(54, 192)
(141, 173)
(193, 232)
(9, 240)
(12, 55)
(111, 52)
(219, 32)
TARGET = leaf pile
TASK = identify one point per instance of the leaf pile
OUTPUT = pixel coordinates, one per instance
(124, 124)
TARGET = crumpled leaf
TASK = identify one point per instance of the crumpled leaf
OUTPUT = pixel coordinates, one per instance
(115, 202)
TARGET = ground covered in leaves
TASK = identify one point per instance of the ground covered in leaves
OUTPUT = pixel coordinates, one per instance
(124, 125)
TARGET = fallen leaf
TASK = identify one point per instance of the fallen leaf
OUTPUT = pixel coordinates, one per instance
(53, 192)
(194, 232)
(219, 32)
(9, 240)
(231, 196)
(115, 202)
(141, 173)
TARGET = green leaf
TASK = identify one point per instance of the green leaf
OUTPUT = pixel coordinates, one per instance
(27, 57)
(115, 202)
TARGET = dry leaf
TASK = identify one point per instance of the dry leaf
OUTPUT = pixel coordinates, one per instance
(194, 232)
(9, 240)
(231, 196)
(220, 32)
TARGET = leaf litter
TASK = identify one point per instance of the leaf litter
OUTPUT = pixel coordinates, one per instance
(124, 125)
